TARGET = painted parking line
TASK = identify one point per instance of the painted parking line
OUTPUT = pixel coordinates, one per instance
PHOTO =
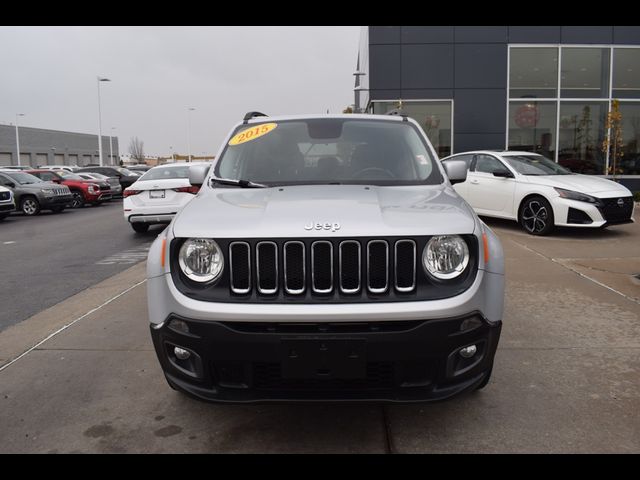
(128, 257)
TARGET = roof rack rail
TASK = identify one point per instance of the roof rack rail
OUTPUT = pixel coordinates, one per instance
(251, 115)
(398, 111)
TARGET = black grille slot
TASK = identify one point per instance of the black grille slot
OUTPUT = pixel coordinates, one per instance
(380, 375)
(377, 266)
(267, 267)
(578, 216)
(240, 259)
(322, 266)
(294, 267)
(105, 187)
(612, 211)
(349, 265)
(405, 265)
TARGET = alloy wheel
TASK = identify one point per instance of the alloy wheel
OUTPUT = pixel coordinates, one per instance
(29, 207)
(535, 216)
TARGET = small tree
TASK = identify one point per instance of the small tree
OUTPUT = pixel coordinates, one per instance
(348, 110)
(136, 149)
(613, 142)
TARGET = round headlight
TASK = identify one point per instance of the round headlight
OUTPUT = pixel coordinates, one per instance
(201, 259)
(445, 256)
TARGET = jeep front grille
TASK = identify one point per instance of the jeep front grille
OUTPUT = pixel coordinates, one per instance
(323, 268)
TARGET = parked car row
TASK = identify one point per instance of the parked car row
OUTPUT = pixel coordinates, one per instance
(539, 193)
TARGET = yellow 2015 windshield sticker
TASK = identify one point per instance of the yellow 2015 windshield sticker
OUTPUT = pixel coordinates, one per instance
(252, 133)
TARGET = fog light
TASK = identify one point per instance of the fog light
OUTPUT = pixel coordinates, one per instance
(182, 354)
(468, 352)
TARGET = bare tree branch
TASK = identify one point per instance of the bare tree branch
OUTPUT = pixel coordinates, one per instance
(136, 149)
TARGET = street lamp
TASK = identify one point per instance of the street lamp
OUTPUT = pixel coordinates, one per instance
(189, 110)
(111, 146)
(171, 150)
(100, 79)
(357, 89)
(18, 137)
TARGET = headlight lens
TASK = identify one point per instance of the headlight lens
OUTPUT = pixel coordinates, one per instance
(46, 191)
(201, 259)
(571, 195)
(445, 256)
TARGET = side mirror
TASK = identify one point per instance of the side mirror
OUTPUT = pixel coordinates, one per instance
(503, 174)
(456, 170)
(197, 174)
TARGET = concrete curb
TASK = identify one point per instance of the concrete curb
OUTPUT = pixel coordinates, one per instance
(17, 339)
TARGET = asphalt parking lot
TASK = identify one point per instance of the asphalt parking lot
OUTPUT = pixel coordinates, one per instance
(566, 377)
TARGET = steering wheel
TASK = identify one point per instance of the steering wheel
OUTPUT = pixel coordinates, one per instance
(384, 171)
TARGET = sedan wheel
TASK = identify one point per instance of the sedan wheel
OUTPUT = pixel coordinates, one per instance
(536, 216)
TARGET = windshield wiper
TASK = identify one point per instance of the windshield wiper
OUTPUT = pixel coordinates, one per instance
(238, 183)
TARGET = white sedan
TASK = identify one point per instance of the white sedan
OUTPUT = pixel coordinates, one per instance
(539, 193)
(158, 195)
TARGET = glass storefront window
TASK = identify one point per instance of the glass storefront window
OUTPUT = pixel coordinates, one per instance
(433, 117)
(580, 136)
(629, 164)
(585, 73)
(532, 127)
(626, 73)
(533, 73)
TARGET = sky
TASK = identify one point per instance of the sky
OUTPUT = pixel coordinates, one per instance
(157, 73)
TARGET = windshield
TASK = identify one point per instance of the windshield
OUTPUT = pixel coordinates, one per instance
(23, 178)
(124, 171)
(535, 165)
(69, 175)
(163, 173)
(328, 151)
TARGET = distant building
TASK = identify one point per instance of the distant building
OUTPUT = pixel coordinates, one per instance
(54, 147)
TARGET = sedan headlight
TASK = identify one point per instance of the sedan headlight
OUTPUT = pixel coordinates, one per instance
(201, 259)
(571, 195)
(445, 256)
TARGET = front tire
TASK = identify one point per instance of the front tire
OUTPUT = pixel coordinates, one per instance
(140, 227)
(78, 200)
(30, 206)
(536, 216)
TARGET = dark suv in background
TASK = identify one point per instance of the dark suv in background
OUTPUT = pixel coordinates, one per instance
(125, 176)
(33, 195)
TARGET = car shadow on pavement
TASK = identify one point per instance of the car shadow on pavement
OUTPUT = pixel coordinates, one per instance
(564, 233)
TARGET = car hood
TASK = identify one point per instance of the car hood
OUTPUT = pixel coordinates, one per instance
(40, 185)
(580, 183)
(324, 210)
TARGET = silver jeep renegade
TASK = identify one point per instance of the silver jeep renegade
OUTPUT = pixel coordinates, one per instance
(326, 258)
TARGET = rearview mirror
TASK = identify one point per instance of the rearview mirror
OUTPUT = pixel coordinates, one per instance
(456, 170)
(197, 174)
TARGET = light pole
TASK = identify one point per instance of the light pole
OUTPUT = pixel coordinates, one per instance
(100, 79)
(189, 110)
(171, 150)
(358, 88)
(18, 137)
(111, 145)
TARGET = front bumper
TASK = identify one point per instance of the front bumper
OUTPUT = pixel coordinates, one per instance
(572, 213)
(56, 200)
(412, 361)
(7, 207)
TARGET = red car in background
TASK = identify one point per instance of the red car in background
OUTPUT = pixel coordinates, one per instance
(84, 191)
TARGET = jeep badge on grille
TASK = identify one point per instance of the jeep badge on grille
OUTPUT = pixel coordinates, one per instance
(334, 227)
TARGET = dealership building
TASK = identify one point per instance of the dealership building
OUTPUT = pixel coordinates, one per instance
(546, 89)
(53, 147)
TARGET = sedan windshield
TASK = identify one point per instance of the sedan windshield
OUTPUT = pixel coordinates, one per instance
(164, 173)
(23, 178)
(535, 165)
(124, 171)
(69, 175)
(329, 151)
